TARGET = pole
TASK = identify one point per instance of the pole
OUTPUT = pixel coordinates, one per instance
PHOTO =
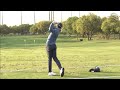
(49, 15)
(2, 17)
(53, 15)
(79, 13)
(21, 17)
(71, 13)
(34, 17)
(61, 16)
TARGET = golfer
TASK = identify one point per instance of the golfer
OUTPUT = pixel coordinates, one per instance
(51, 48)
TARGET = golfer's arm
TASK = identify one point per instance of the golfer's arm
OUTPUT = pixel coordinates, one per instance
(51, 27)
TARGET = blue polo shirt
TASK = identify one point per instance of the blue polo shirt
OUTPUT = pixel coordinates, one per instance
(54, 32)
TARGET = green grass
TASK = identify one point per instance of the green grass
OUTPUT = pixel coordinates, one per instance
(29, 61)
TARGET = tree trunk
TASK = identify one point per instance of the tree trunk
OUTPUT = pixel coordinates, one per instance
(77, 36)
(69, 35)
(88, 37)
(108, 36)
(119, 36)
(83, 35)
(114, 35)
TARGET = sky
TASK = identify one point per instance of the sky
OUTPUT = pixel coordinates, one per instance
(11, 18)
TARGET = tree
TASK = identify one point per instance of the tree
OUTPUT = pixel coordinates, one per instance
(95, 24)
(4, 29)
(64, 29)
(33, 29)
(43, 26)
(81, 25)
(14, 29)
(40, 27)
(74, 26)
(110, 25)
(113, 19)
(118, 29)
(106, 28)
(100, 33)
(69, 23)
(88, 25)
(24, 29)
(103, 19)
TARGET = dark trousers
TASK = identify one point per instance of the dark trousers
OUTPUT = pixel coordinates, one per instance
(51, 52)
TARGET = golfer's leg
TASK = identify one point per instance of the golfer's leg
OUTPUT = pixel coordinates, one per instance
(56, 59)
(49, 53)
(50, 61)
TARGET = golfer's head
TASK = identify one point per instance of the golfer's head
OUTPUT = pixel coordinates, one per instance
(59, 25)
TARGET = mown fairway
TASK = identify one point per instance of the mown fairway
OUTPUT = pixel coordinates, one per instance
(25, 57)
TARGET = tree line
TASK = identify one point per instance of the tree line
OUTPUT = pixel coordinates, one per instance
(89, 25)
(25, 29)
(85, 26)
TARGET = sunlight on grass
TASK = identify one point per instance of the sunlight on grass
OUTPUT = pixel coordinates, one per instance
(18, 61)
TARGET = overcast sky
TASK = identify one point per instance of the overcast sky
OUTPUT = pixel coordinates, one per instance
(11, 18)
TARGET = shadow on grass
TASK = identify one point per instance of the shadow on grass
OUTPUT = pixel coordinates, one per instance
(102, 42)
(109, 72)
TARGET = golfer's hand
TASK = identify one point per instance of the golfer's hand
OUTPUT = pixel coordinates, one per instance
(54, 22)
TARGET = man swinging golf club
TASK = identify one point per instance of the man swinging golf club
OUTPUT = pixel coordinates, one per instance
(51, 48)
